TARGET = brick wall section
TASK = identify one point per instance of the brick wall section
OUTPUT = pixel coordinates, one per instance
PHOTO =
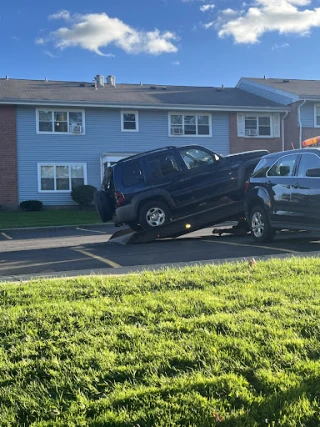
(310, 133)
(291, 128)
(239, 144)
(292, 131)
(8, 158)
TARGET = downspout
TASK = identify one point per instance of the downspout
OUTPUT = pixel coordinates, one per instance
(282, 129)
(300, 124)
(101, 169)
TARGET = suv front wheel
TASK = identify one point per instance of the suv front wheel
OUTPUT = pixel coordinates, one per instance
(153, 214)
(261, 230)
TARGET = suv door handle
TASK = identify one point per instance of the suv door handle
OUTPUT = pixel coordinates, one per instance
(297, 185)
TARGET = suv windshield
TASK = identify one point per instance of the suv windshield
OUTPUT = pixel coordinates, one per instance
(195, 157)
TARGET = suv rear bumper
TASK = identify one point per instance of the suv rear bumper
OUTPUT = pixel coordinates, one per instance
(124, 214)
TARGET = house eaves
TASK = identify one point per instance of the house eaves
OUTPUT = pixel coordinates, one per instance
(286, 93)
(309, 98)
(166, 107)
(295, 95)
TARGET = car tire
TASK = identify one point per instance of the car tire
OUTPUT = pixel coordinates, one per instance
(153, 214)
(134, 226)
(261, 231)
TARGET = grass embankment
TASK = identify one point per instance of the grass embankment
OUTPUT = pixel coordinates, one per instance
(229, 345)
(45, 218)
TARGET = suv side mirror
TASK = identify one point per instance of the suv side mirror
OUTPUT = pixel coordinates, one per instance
(313, 173)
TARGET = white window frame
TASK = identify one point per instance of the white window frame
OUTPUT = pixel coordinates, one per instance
(257, 116)
(84, 165)
(189, 114)
(67, 110)
(315, 115)
(136, 113)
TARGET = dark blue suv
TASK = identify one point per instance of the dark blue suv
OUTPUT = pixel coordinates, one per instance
(284, 193)
(148, 189)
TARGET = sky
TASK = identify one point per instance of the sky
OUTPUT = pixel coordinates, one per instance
(178, 42)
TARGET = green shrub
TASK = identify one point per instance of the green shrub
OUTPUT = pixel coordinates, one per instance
(31, 205)
(83, 194)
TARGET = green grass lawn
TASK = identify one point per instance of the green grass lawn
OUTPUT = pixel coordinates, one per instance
(229, 345)
(19, 219)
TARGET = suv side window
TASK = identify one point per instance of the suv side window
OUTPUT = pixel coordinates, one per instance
(131, 173)
(262, 168)
(308, 161)
(195, 157)
(162, 166)
(284, 166)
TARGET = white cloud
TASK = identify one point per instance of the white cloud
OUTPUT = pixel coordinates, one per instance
(40, 41)
(62, 14)
(97, 30)
(175, 63)
(46, 52)
(208, 25)
(230, 12)
(280, 46)
(284, 16)
(207, 7)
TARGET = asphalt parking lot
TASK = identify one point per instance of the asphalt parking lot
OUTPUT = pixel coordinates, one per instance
(85, 250)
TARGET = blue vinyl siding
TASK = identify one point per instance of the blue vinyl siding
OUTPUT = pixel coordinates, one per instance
(103, 136)
(267, 92)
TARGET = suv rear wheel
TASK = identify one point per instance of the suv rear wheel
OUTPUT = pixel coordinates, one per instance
(153, 214)
(261, 230)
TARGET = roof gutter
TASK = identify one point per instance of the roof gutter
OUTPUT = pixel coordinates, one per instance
(313, 99)
(166, 107)
(300, 124)
(282, 129)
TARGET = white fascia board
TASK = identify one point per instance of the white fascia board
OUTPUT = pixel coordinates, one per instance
(145, 107)
(306, 98)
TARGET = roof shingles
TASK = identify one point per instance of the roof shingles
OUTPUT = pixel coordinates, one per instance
(301, 88)
(128, 94)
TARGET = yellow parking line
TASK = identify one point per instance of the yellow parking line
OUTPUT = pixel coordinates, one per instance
(253, 246)
(99, 258)
(39, 264)
(91, 231)
(6, 236)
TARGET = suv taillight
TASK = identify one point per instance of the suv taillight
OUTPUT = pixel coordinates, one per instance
(120, 199)
(246, 186)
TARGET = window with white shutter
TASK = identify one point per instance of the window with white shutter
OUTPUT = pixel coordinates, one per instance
(258, 125)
